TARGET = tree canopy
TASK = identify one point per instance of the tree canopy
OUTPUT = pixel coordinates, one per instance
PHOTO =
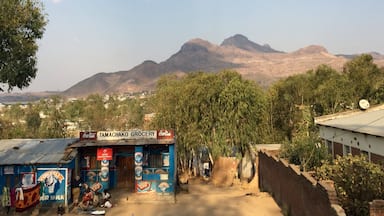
(22, 23)
(221, 112)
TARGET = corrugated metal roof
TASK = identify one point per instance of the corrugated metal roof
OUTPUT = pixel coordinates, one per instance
(370, 121)
(36, 151)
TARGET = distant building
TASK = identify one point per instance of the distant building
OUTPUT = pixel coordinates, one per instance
(354, 132)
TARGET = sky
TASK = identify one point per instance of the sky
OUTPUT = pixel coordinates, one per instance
(85, 37)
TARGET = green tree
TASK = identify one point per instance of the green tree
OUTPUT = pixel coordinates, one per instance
(6, 129)
(53, 125)
(287, 97)
(220, 111)
(33, 121)
(95, 114)
(13, 121)
(74, 110)
(131, 114)
(364, 77)
(331, 92)
(357, 182)
(22, 23)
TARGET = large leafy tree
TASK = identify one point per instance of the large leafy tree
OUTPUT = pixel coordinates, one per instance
(287, 96)
(53, 125)
(33, 121)
(365, 78)
(22, 23)
(95, 115)
(12, 122)
(220, 111)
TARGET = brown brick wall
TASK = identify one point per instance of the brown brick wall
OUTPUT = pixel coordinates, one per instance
(376, 208)
(337, 149)
(296, 192)
(378, 159)
(355, 151)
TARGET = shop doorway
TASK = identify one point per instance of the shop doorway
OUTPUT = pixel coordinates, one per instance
(125, 172)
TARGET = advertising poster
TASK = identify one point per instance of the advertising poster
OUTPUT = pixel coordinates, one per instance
(138, 158)
(104, 174)
(165, 158)
(54, 184)
(104, 154)
(138, 172)
(93, 181)
(28, 180)
(9, 170)
(164, 187)
(146, 186)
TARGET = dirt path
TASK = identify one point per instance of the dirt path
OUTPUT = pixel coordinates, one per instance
(205, 199)
(202, 199)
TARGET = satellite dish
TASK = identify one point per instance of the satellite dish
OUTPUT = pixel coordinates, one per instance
(363, 104)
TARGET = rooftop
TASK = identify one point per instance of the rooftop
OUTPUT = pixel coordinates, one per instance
(370, 121)
(36, 151)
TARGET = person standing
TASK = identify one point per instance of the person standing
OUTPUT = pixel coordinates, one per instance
(76, 185)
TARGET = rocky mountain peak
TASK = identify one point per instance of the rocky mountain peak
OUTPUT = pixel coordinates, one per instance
(196, 45)
(311, 50)
(242, 42)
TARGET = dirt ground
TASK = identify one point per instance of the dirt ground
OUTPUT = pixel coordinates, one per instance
(202, 199)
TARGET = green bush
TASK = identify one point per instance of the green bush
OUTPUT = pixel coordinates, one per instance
(357, 182)
(306, 151)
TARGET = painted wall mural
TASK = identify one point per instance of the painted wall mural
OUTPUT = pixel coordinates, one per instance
(53, 183)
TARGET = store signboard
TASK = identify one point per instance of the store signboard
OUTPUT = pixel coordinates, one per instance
(165, 134)
(121, 135)
(104, 154)
(88, 135)
(9, 170)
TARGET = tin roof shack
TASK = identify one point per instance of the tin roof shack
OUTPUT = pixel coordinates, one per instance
(42, 165)
(138, 162)
(354, 132)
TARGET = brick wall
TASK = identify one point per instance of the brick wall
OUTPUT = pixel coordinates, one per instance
(337, 149)
(378, 159)
(297, 193)
(376, 208)
(355, 151)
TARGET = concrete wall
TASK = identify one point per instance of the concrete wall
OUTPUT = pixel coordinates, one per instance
(357, 141)
(297, 193)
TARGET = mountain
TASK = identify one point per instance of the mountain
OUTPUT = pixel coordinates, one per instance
(242, 42)
(257, 62)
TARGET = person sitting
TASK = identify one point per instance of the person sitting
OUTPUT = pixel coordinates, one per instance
(87, 200)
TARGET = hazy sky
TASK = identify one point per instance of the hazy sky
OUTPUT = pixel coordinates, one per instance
(85, 37)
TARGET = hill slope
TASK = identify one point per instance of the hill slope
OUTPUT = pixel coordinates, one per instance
(260, 63)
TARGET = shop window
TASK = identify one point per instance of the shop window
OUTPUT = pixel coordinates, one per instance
(155, 161)
(154, 156)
